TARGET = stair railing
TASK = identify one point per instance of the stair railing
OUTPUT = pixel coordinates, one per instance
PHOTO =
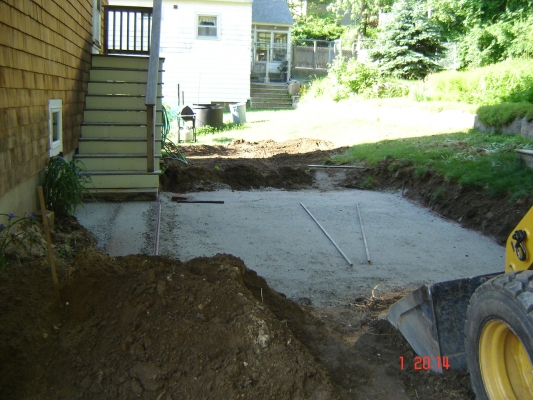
(151, 85)
(128, 30)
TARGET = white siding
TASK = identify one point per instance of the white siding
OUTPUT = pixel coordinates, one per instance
(206, 69)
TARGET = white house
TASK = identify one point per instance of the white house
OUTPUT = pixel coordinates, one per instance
(206, 45)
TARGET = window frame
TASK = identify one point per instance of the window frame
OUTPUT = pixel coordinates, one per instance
(216, 26)
(55, 108)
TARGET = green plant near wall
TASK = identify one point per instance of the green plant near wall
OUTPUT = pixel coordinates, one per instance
(7, 236)
(65, 184)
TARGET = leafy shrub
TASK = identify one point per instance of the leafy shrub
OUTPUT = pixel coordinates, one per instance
(65, 185)
(348, 78)
(355, 75)
(7, 236)
(506, 82)
(510, 37)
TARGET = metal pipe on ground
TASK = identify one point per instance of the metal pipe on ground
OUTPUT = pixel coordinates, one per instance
(329, 237)
(364, 236)
(336, 166)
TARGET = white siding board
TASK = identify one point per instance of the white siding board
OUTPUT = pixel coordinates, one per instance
(206, 69)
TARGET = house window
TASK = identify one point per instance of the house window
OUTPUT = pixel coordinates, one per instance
(271, 46)
(55, 124)
(279, 52)
(208, 26)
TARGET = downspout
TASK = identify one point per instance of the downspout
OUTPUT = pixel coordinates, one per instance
(151, 85)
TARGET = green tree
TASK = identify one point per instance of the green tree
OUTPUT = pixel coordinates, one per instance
(363, 12)
(409, 44)
(315, 26)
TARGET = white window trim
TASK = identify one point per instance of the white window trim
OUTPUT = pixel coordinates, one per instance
(55, 106)
(217, 16)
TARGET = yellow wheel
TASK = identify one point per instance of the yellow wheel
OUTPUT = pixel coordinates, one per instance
(499, 338)
(505, 365)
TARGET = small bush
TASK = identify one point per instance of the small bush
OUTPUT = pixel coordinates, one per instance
(8, 234)
(64, 185)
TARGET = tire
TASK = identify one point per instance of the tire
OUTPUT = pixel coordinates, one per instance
(499, 337)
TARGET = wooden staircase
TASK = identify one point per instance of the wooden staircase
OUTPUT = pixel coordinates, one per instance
(270, 95)
(113, 144)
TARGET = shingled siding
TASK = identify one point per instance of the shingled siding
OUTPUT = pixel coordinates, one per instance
(45, 53)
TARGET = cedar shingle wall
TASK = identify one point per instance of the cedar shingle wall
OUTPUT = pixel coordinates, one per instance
(45, 53)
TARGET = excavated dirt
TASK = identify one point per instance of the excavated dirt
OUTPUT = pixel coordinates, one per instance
(157, 328)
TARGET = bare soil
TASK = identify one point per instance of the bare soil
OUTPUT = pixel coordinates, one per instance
(210, 328)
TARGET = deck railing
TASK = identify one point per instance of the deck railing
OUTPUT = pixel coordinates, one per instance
(128, 30)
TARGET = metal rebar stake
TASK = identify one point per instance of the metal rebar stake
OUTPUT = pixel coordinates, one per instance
(364, 236)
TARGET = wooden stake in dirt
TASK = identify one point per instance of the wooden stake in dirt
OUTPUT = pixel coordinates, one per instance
(329, 237)
(49, 243)
(364, 236)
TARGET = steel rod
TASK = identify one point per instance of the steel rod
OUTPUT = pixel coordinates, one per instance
(157, 228)
(336, 166)
(364, 236)
(329, 237)
(200, 201)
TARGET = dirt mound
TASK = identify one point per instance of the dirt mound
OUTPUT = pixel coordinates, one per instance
(158, 328)
(183, 178)
(243, 165)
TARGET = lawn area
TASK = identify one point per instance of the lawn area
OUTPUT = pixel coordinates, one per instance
(426, 136)
(346, 123)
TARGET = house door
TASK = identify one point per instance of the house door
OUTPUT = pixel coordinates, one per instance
(97, 26)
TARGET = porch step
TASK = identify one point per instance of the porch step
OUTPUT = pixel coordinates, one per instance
(115, 146)
(117, 162)
(268, 88)
(116, 130)
(124, 179)
(120, 88)
(120, 75)
(270, 96)
(118, 102)
(116, 61)
(132, 116)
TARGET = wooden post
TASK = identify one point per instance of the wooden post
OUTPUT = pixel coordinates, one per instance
(314, 54)
(150, 136)
(49, 243)
(151, 85)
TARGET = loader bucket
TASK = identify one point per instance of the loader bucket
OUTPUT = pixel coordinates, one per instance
(432, 319)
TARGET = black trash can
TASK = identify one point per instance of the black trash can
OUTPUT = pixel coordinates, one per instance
(208, 114)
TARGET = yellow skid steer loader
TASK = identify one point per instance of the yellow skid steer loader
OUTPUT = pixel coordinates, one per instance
(484, 323)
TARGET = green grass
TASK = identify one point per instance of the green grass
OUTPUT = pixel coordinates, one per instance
(501, 114)
(477, 159)
(226, 126)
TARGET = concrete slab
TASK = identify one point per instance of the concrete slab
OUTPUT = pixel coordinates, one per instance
(274, 236)
(121, 228)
